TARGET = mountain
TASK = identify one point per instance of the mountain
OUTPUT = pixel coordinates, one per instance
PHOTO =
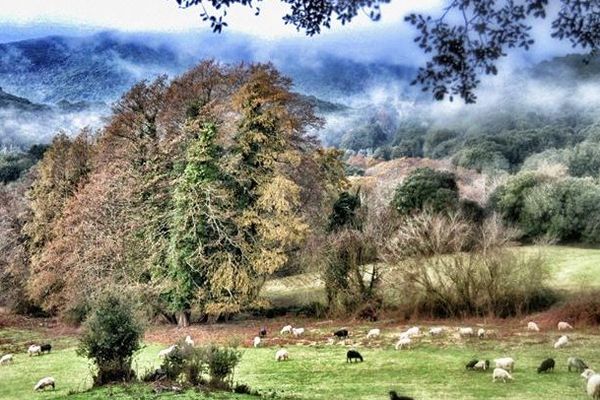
(16, 103)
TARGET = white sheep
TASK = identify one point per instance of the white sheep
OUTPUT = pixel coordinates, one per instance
(593, 383)
(297, 331)
(34, 349)
(167, 352)
(373, 333)
(436, 331)
(189, 340)
(44, 383)
(501, 374)
(506, 363)
(403, 342)
(532, 326)
(256, 341)
(481, 333)
(286, 329)
(464, 332)
(481, 365)
(282, 355)
(562, 325)
(6, 359)
(413, 331)
(561, 342)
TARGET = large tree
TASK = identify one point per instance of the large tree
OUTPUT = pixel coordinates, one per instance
(466, 38)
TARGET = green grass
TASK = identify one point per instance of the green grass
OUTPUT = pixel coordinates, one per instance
(434, 369)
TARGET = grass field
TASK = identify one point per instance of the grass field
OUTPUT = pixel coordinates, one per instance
(433, 369)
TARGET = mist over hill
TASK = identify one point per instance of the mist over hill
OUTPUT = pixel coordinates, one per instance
(68, 82)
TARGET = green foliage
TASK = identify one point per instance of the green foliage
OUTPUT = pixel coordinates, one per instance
(584, 160)
(426, 188)
(111, 336)
(344, 213)
(368, 136)
(438, 143)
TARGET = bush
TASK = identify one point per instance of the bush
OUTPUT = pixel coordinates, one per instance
(426, 188)
(111, 335)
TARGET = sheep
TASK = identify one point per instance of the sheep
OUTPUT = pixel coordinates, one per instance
(532, 326)
(396, 396)
(44, 383)
(282, 355)
(436, 331)
(297, 331)
(464, 332)
(593, 383)
(561, 342)
(341, 334)
(403, 342)
(501, 374)
(506, 363)
(413, 331)
(256, 341)
(34, 349)
(482, 365)
(577, 364)
(189, 340)
(562, 325)
(373, 333)
(286, 329)
(46, 348)
(547, 365)
(6, 359)
(167, 352)
(263, 332)
(353, 355)
(593, 386)
(481, 333)
(471, 364)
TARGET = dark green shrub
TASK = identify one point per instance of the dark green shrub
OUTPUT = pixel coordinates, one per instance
(221, 362)
(426, 188)
(111, 336)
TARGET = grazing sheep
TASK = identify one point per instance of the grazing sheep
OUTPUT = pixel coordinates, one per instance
(44, 383)
(263, 332)
(403, 342)
(436, 331)
(282, 355)
(167, 352)
(396, 396)
(256, 341)
(481, 333)
(593, 387)
(532, 326)
(561, 342)
(46, 348)
(471, 364)
(482, 365)
(341, 334)
(465, 332)
(587, 373)
(353, 355)
(6, 359)
(577, 364)
(562, 325)
(373, 333)
(297, 331)
(413, 331)
(547, 365)
(34, 349)
(506, 363)
(501, 374)
(286, 329)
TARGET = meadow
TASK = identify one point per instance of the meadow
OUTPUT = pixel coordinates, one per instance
(432, 369)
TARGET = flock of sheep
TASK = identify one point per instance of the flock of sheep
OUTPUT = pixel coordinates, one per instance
(33, 350)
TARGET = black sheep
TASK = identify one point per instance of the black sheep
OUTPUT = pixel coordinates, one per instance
(353, 355)
(395, 396)
(46, 348)
(341, 334)
(547, 365)
(263, 332)
(471, 364)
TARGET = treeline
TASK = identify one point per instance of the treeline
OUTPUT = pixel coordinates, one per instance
(196, 191)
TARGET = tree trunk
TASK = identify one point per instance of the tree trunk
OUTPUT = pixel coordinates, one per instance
(183, 319)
